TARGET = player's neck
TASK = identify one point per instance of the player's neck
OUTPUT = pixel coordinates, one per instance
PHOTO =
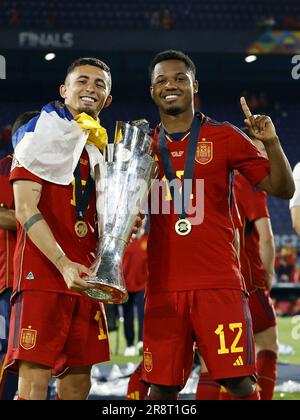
(72, 110)
(177, 123)
(75, 112)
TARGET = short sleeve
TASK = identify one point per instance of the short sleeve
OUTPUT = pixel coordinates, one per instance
(6, 191)
(253, 202)
(18, 172)
(245, 157)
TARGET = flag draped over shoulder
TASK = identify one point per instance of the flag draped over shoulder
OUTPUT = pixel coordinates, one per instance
(50, 145)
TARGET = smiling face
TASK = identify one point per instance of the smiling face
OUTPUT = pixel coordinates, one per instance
(87, 89)
(173, 87)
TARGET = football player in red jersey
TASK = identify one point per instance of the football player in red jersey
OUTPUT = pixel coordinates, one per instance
(8, 380)
(256, 249)
(53, 326)
(257, 256)
(195, 288)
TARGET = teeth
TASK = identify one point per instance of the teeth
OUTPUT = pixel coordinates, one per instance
(87, 99)
(171, 97)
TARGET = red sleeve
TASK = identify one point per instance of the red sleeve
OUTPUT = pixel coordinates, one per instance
(6, 191)
(18, 172)
(245, 157)
(254, 202)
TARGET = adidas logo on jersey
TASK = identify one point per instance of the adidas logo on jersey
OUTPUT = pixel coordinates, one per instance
(239, 362)
(30, 276)
(133, 395)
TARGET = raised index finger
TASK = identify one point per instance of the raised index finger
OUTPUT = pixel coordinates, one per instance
(245, 108)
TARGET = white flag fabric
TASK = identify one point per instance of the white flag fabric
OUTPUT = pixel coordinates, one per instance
(50, 145)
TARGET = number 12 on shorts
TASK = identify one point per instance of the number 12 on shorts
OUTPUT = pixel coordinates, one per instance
(233, 348)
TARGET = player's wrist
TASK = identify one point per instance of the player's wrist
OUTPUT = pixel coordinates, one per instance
(59, 261)
(271, 142)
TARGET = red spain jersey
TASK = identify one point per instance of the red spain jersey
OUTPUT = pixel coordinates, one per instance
(252, 205)
(205, 258)
(7, 237)
(135, 265)
(33, 271)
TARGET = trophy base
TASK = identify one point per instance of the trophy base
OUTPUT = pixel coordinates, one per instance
(106, 293)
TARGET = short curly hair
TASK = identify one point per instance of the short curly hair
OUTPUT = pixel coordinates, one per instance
(173, 55)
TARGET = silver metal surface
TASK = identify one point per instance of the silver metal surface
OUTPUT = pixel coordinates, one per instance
(122, 181)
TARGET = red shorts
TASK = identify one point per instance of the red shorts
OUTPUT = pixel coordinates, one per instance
(57, 330)
(262, 310)
(218, 320)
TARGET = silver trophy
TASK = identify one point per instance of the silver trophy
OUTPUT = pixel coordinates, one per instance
(122, 182)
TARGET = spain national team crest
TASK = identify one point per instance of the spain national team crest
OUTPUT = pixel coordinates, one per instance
(148, 361)
(28, 338)
(204, 152)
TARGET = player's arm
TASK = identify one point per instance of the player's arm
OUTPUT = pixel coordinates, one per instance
(27, 196)
(295, 214)
(266, 248)
(279, 182)
(7, 219)
(295, 201)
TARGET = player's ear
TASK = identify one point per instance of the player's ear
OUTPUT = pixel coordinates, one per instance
(63, 91)
(151, 91)
(108, 101)
(195, 85)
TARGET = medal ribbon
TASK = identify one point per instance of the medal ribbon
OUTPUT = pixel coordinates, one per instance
(82, 198)
(189, 166)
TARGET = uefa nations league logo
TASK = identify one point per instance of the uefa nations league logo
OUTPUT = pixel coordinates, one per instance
(2, 67)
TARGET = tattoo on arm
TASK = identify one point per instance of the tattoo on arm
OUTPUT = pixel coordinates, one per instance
(32, 220)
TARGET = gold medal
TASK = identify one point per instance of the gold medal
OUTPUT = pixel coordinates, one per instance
(80, 228)
(183, 227)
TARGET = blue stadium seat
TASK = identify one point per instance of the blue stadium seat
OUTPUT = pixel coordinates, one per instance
(222, 14)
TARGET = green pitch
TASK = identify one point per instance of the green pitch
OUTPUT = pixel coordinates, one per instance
(287, 396)
(289, 334)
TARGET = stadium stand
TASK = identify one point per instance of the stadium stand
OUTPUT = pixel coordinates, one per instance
(132, 15)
